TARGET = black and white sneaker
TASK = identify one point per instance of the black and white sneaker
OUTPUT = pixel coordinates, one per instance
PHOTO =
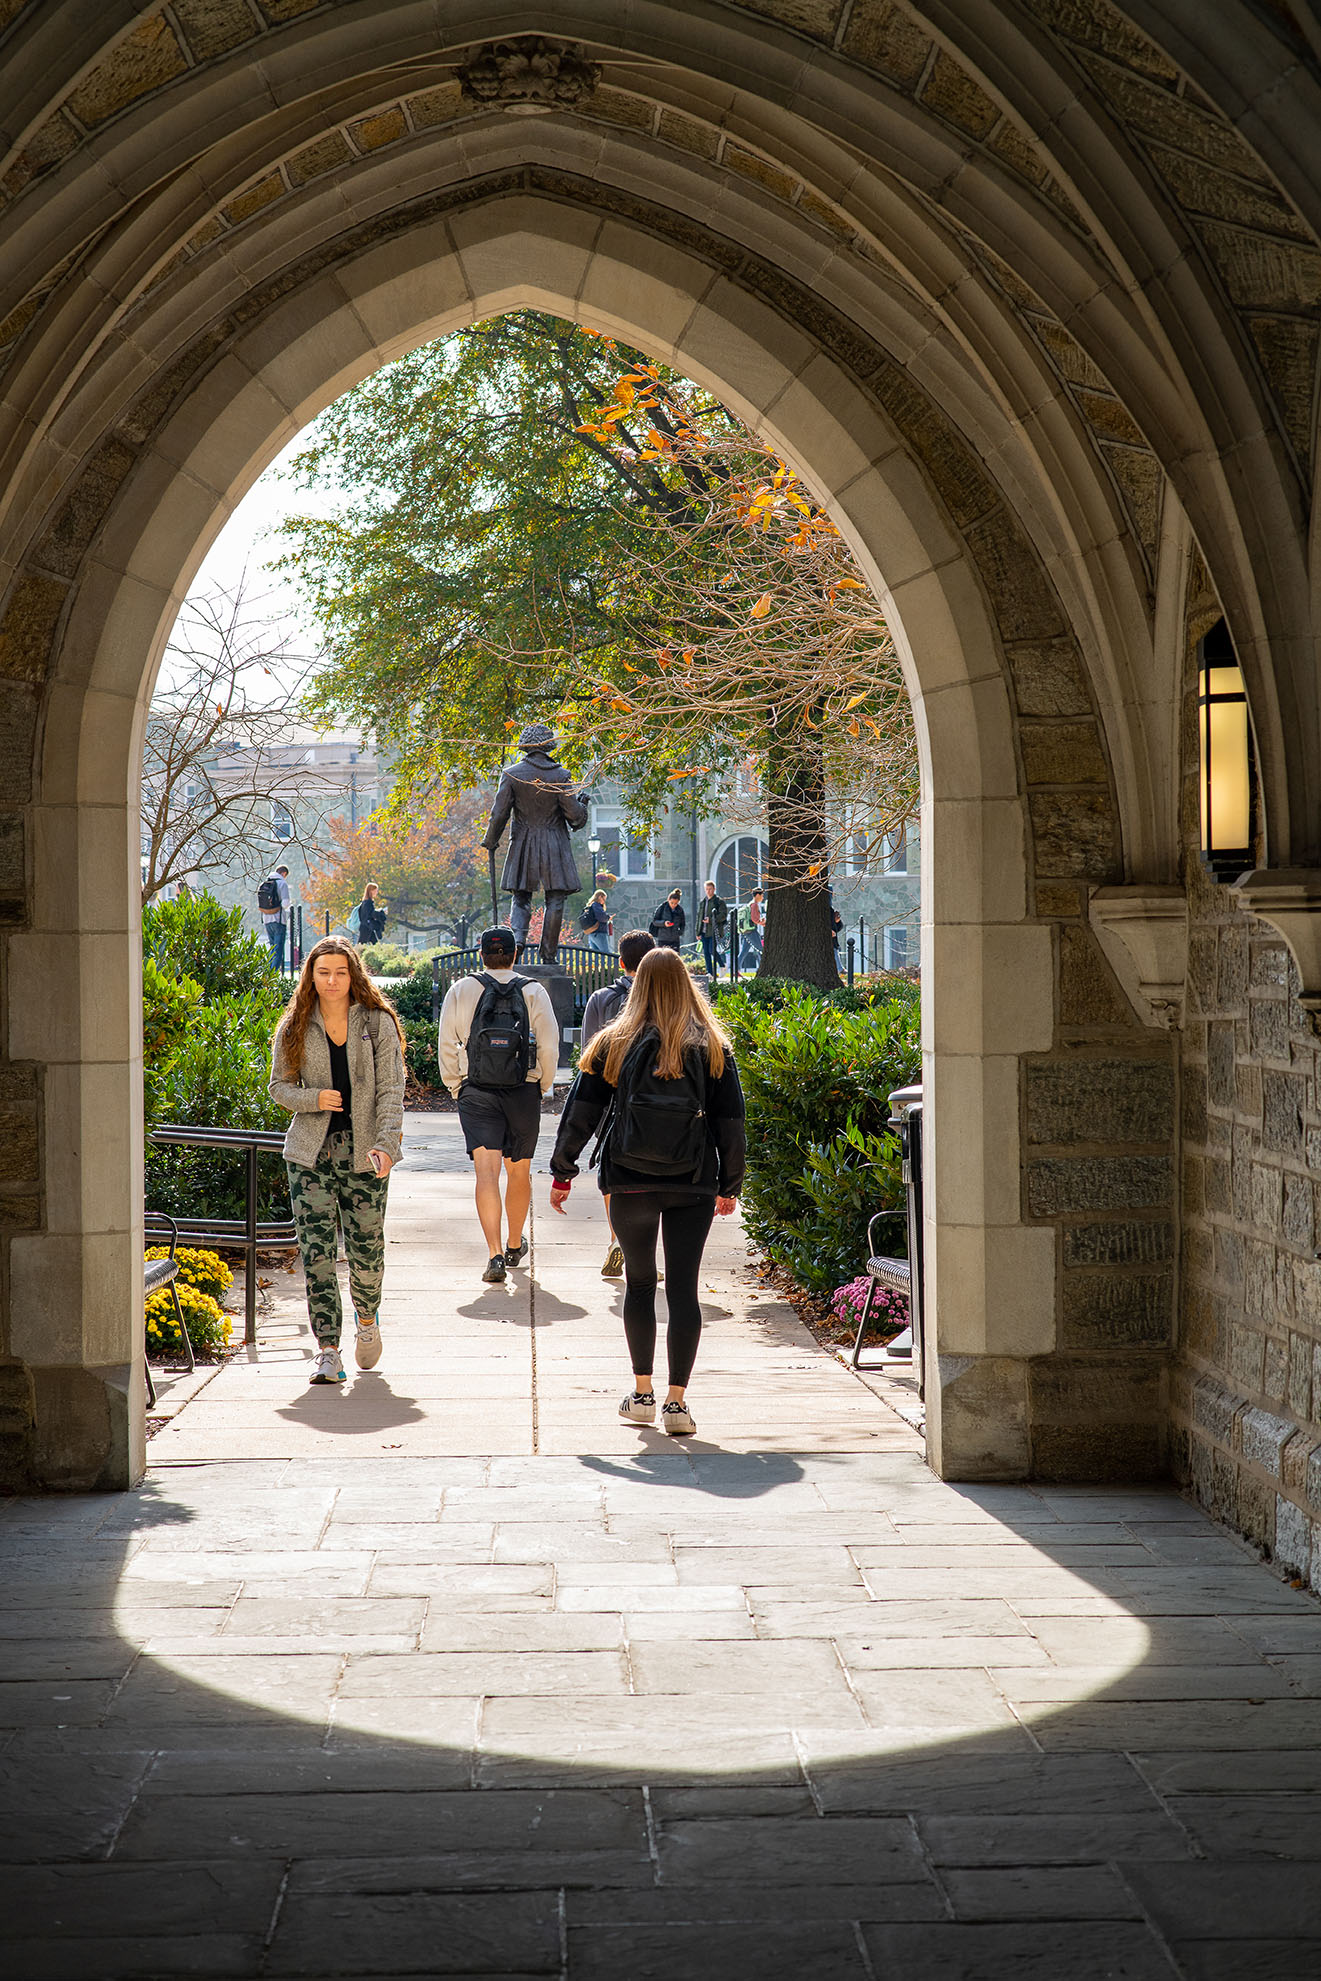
(495, 1271)
(515, 1254)
(639, 1407)
(678, 1420)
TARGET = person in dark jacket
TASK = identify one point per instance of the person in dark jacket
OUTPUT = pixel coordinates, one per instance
(665, 1015)
(371, 915)
(603, 1007)
(712, 915)
(669, 921)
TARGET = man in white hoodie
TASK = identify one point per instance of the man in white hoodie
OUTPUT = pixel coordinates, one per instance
(498, 1059)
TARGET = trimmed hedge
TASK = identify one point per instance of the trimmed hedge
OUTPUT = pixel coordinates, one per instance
(821, 1156)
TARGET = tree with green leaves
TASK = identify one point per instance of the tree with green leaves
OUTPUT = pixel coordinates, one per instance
(534, 516)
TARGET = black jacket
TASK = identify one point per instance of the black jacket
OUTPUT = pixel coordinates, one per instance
(667, 925)
(726, 1150)
(712, 914)
(371, 921)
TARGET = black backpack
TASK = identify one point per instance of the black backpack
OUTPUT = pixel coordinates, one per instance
(658, 1127)
(268, 895)
(501, 1049)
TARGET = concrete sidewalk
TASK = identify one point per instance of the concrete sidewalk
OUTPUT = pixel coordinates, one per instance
(451, 1674)
(536, 1366)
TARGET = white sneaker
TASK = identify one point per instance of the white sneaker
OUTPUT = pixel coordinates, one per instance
(327, 1367)
(678, 1420)
(639, 1409)
(367, 1344)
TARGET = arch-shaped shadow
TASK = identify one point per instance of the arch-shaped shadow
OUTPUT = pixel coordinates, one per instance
(785, 1707)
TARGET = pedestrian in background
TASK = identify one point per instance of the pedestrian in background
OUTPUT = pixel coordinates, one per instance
(337, 1065)
(603, 1007)
(672, 1157)
(273, 907)
(371, 916)
(498, 1047)
(712, 915)
(595, 922)
(669, 921)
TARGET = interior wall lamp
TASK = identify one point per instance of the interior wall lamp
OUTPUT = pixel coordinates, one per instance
(1227, 777)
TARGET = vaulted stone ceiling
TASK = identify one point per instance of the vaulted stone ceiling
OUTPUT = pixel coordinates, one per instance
(1056, 207)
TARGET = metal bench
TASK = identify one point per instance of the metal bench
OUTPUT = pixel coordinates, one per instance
(897, 1276)
(157, 1273)
(243, 1234)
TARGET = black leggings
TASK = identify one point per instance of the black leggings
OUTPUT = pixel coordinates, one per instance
(683, 1223)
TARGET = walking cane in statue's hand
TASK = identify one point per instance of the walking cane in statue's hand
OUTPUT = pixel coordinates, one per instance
(495, 898)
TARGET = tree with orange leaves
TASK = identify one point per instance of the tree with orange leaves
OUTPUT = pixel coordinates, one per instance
(429, 866)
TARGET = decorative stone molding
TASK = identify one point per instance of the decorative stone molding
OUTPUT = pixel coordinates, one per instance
(529, 77)
(1289, 898)
(1144, 934)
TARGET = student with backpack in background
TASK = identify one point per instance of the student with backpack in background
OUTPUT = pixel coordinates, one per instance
(672, 1156)
(273, 907)
(603, 1007)
(367, 918)
(337, 1065)
(498, 1049)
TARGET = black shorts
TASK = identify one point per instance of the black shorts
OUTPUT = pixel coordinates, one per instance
(503, 1118)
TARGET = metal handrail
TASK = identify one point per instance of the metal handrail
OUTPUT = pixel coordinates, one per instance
(244, 1234)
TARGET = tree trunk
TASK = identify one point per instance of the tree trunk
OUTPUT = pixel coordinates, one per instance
(798, 943)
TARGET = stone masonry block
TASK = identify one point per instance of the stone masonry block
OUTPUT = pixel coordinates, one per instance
(1063, 753)
(1103, 1310)
(1298, 1394)
(1089, 994)
(1048, 678)
(1119, 1242)
(1267, 1194)
(1074, 832)
(145, 59)
(1263, 1437)
(1232, 968)
(1247, 1349)
(1275, 1368)
(1299, 1226)
(1100, 1100)
(1268, 1028)
(1213, 1410)
(1057, 1186)
(212, 26)
(1254, 1509)
(1282, 1113)
(1230, 1256)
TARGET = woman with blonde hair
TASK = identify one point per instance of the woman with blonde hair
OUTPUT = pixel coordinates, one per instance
(672, 1156)
(337, 1065)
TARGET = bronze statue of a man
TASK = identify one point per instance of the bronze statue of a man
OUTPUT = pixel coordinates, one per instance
(545, 807)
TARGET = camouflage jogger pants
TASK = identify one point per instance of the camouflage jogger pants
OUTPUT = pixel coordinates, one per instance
(332, 1185)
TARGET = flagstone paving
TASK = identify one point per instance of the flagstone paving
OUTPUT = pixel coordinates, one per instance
(453, 1674)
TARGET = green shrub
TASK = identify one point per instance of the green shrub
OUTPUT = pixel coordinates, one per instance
(420, 1051)
(771, 993)
(218, 1079)
(821, 1158)
(412, 998)
(198, 938)
(386, 959)
(169, 1005)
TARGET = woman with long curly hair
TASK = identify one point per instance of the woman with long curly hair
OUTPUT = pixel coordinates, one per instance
(337, 1064)
(672, 1157)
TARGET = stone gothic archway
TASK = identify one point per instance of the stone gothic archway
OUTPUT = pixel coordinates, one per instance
(1032, 310)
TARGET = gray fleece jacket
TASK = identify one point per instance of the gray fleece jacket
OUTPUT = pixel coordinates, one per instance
(376, 1075)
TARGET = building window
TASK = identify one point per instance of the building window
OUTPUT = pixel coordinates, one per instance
(896, 947)
(857, 853)
(740, 867)
(624, 853)
(894, 851)
(282, 820)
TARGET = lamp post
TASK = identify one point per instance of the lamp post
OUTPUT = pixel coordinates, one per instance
(594, 848)
(1225, 766)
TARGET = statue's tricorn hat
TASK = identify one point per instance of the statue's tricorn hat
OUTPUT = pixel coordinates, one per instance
(537, 737)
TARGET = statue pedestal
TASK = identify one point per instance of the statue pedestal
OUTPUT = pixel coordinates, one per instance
(558, 985)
